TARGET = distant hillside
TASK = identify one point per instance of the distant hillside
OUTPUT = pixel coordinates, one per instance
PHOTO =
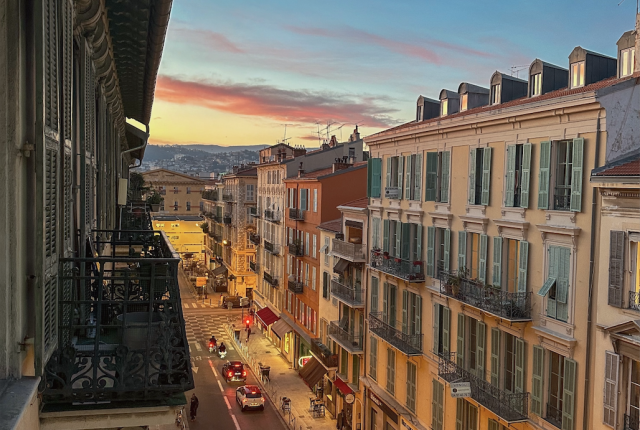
(215, 149)
(166, 152)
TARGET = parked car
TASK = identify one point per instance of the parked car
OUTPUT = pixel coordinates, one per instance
(236, 301)
(234, 371)
(250, 396)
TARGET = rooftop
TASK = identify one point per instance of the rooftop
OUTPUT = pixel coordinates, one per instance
(333, 225)
(322, 173)
(358, 203)
(628, 165)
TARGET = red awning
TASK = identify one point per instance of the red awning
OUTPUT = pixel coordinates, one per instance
(342, 386)
(267, 316)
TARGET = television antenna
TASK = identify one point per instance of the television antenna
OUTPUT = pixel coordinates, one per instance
(285, 138)
(517, 69)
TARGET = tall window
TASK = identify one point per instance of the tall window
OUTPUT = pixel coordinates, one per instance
(512, 248)
(437, 179)
(464, 102)
(175, 190)
(556, 384)
(518, 175)
(188, 190)
(560, 175)
(556, 287)
(327, 244)
(471, 344)
(374, 296)
(412, 376)
(509, 362)
(251, 195)
(441, 325)
(627, 62)
(373, 357)
(175, 205)
(479, 176)
(437, 405)
(634, 392)
(413, 177)
(391, 371)
(474, 260)
(564, 162)
(315, 200)
(496, 90)
(394, 177)
(466, 415)
(444, 107)
(536, 84)
(315, 246)
(188, 206)
(325, 285)
(577, 74)
(624, 280)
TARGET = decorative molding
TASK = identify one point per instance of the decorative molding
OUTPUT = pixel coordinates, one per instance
(626, 193)
(441, 219)
(473, 209)
(505, 224)
(519, 213)
(471, 223)
(554, 341)
(562, 215)
(546, 229)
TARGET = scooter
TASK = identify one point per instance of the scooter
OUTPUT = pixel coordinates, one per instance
(212, 347)
(222, 353)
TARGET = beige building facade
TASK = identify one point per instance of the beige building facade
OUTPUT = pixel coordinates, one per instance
(181, 192)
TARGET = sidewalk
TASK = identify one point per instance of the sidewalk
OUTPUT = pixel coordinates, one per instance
(285, 382)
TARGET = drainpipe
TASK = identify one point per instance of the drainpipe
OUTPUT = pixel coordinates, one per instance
(592, 252)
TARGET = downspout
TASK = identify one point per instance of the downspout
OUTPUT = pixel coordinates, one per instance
(592, 252)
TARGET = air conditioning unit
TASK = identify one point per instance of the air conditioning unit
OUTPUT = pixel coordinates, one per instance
(391, 193)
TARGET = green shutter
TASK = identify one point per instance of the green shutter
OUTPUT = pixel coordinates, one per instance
(405, 311)
(377, 178)
(482, 258)
(460, 346)
(374, 293)
(417, 177)
(543, 175)
(406, 241)
(486, 176)
(385, 235)
(392, 305)
(432, 177)
(616, 267)
(472, 177)
(398, 252)
(303, 199)
(431, 240)
(562, 280)
(536, 386)
(481, 336)
(526, 175)
(437, 409)
(436, 327)
(521, 353)
(389, 161)
(369, 176)
(462, 251)
(495, 357)
(407, 180)
(447, 250)
(496, 279)
(576, 175)
(446, 329)
(444, 180)
(400, 173)
(419, 242)
(460, 414)
(417, 318)
(511, 176)
(523, 263)
(385, 302)
(569, 394)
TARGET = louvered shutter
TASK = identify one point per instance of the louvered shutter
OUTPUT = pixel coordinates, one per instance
(481, 336)
(511, 176)
(493, 425)
(536, 385)
(616, 267)
(446, 330)
(431, 177)
(406, 241)
(376, 177)
(472, 177)
(431, 239)
(436, 328)
(562, 280)
(369, 177)
(612, 361)
(495, 357)
(569, 394)
(418, 256)
(400, 175)
(444, 179)
(407, 181)
(460, 414)
(88, 108)
(544, 175)
(496, 279)
(385, 235)
(375, 286)
(389, 161)
(437, 409)
(482, 258)
(523, 262)
(462, 251)
(405, 311)
(392, 305)
(576, 175)
(417, 317)
(417, 178)
(526, 175)
(67, 123)
(447, 250)
(460, 346)
(486, 176)
(521, 353)
(398, 252)
(385, 302)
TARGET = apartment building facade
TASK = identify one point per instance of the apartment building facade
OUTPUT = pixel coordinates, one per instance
(181, 193)
(475, 274)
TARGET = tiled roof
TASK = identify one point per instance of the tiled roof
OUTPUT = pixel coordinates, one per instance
(627, 166)
(334, 225)
(328, 171)
(517, 102)
(359, 203)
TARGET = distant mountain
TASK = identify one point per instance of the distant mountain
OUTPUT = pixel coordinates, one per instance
(215, 149)
(166, 152)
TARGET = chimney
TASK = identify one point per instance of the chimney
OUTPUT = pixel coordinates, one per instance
(333, 142)
(300, 171)
(355, 136)
(341, 164)
(637, 67)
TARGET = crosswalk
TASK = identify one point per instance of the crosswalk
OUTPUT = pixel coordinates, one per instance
(199, 329)
(199, 305)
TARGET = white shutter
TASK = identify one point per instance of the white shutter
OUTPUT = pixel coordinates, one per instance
(612, 362)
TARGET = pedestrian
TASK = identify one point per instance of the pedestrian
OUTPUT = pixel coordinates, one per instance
(194, 406)
(248, 333)
(339, 421)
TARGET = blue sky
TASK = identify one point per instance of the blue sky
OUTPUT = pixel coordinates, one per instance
(233, 72)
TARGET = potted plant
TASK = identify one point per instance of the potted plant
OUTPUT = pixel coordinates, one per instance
(452, 286)
(398, 260)
(386, 255)
(136, 186)
(154, 201)
(205, 227)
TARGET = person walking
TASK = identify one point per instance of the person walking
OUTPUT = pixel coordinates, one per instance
(194, 406)
(339, 422)
(248, 334)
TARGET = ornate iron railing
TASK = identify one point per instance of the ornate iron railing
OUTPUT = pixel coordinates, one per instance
(351, 342)
(631, 423)
(271, 247)
(226, 219)
(323, 353)
(410, 271)
(211, 195)
(121, 330)
(562, 198)
(511, 306)
(254, 238)
(553, 415)
(353, 252)
(136, 216)
(272, 215)
(254, 267)
(296, 214)
(217, 218)
(227, 197)
(254, 211)
(408, 344)
(272, 280)
(295, 286)
(509, 407)
(634, 300)
(296, 249)
(351, 296)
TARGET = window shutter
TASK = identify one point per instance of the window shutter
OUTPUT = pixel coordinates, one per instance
(496, 280)
(400, 173)
(303, 199)
(612, 361)
(576, 175)
(459, 414)
(616, 267)
(419, 242)
(392, 305)
(521, 353)
(385, 235)
(374, 293)
(511, 176)
(543, 175)
(460, 346)
(369, 176)
(446, 329)
(526, 175)
(536, 386)
(432, 177)
(482, 257)
(562, 280)
(493, 425)
(398, 252)
(486, 176)
(481, 336)
(569, 394)
(444, 179)
(417, 178)
(472, 177)
(373, 357)
(462, 251)
(523, 263)
(417, 318)
(436, 327)
(407, 181)
(437, 409)
(447, 250)
(405, 311)
(406, 241)
(495, 357)
(376, 178)
(385, 302)
(389, 160)
(431, 239)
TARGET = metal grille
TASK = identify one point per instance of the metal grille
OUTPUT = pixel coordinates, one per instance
(51, 64)
(51, 201)
(406, 343)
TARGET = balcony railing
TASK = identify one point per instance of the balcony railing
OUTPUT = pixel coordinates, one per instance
(353, 252)
(296, 249)
(217, 218)
(227, 197)
(408, 344)
(210, 195)
(554, 416)
(271, 248)
(351, 296)
(254, 238)
(272, 280)
(121, 335)
(631, 423)
(562, 198)
(511, 306)
(296, 214)
(509, 407)
(410, 271)
(351, 342)
(323, 353)
(254, 267)
(226, 219)
(273, 216)
(634, 301)
(254, 211)
(295, 286)
(136, 216)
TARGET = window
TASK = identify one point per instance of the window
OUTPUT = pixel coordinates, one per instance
(175, 190)
(374, 296)
(438, 250)
(374, 419)
(560, 175)
(557, 286)
(536, 84)
(627, 62)
(251, 195)
(389, 304)
(313, 278)
(315, 246)
(470, 353)
(464, 102)
(344, 361)
(577, 74)
(441, 327)
(633, 407)
(188, 206)
(411, 314)
(201, 206)
(374, 177)
(474, 260)
(466, 415)
(619, 284)
(315, 200)
(413, 177)
(188, 190)
(394, 178)
(304, 199)
(375, 233)
(391, 371)
(496, 90)
(495, 425)
(437, 405)
(479, 176)
(306, 244)
(444, 107)
(518, 175)
(411, 386)
(437, 181)
(403, 240)
(373, 357)
(325, 285)
(355, 369)
(327, 244)
(561, 391)
(175, 205)
(162, 205)
(509, 362)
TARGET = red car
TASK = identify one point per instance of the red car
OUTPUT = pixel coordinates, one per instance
(234, 371)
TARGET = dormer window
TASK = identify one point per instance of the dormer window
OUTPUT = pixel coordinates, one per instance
(536, 87)
(445, 107)
(495, 93)
(464, 99)
(627, 60)
(577, 74)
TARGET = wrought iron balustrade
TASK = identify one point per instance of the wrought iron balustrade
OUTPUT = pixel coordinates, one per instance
(136, 216)
(121, 333)
(210, 195)
(254, 211)
(354, 252)
(410, 271)
(227, 197)
(634, 300)
(296, 249)
(631, 423)
(272, 280)
(272, 215)
(295, 285)
(351, 296)
(323, 353)
(254, 267)
(271, 248)
(510, 407)
(254, 238)
(226, 219)
(217, 218)
(511, 306)
(562, 198)
(351, 342)
(553, 415)
(296, 214)
(408, 344)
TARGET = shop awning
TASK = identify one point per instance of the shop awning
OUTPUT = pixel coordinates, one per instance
(280, 328)
(312, 372)
(341, 266)
(221, 270)
(342, 386)
(267, 316)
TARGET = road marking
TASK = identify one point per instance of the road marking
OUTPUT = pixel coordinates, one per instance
(195, 305)
(220, 385)
(213, 369)
(194, 368)
(235, 421)
(227, 402)
(198, 347)
(184, 306)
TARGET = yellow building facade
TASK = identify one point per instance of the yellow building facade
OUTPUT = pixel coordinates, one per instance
(181, 193)
(184, 232)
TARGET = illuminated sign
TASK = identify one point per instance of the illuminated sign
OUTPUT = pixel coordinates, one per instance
(303, 360)
(201, 281)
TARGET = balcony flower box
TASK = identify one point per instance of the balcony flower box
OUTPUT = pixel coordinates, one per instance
(417, 263)
(386, 256)
(398, 260)
(376, 253)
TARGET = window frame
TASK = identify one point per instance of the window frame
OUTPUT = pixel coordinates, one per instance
(630, 62)
(536, 84)
(496, 94)
(579, 68)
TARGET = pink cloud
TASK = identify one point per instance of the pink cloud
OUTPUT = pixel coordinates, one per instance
(217, 41)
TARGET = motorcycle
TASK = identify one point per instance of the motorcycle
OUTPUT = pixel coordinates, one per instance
(222, 353)
(212, 347)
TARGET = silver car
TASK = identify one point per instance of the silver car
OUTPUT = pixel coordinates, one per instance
(250, 397)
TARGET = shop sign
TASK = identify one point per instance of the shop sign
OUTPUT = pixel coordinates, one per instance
(303, 360)
(460, 389)
(201, 281)
(382, 405)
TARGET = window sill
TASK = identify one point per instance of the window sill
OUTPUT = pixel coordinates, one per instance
(476, 210)
(555, 217)
(515, 214)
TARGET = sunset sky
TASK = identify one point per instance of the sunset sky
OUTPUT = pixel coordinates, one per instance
(234, 72)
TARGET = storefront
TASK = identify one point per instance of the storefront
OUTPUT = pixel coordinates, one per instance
(345, 398)
(381, 413)
(283, 337)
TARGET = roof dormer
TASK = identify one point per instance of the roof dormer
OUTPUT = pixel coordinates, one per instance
(472, 96)
(546, 77)
(626, 54)
(449, 102)
(427, 109)
(505, 88)
(587, 67)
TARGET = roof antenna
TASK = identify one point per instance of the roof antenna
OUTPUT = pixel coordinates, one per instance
(517, 69)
